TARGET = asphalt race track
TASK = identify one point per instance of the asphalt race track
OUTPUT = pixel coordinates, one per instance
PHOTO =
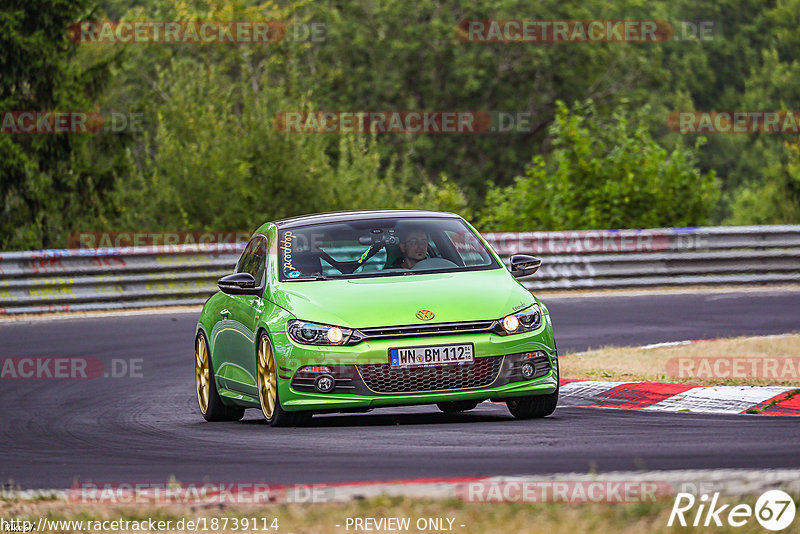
(56, 432)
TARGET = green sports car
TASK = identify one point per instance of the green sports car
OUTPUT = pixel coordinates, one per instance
(350, 311)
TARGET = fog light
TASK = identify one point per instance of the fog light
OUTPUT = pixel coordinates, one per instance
(510, 324)
(325, 383)
(527, 369)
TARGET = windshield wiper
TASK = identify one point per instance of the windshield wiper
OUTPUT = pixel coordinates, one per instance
(313, 277)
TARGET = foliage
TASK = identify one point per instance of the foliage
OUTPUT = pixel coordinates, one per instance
(49, 183)
(210, 158)
(604, 175)
(775, 197)
(390, 55)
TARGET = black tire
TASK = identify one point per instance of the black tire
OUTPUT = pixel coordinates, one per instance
(279, 416)
(457, 406)
(533, 407)
(283, 418)
(216, 409)
(538, 405)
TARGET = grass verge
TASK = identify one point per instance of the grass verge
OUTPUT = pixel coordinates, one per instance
(763, 362)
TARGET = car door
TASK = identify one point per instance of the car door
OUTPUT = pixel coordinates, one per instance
(238, 367)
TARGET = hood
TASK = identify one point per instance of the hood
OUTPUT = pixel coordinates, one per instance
(395, 300)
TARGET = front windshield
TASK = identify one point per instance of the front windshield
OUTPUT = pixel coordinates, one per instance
(380, 247)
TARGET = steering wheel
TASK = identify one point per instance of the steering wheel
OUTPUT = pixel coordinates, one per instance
(433, 263)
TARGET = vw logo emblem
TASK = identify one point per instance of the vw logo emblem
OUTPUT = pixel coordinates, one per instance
(425, 315)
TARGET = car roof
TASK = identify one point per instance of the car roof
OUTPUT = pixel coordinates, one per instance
(340, 216)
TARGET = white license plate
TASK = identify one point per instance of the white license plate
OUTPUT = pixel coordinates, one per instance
(431, 355)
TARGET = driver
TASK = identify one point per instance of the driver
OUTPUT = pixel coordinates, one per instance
(414, 246)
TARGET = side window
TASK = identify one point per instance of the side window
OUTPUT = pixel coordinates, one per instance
(259, 259)
(254, 258)
(246, 258)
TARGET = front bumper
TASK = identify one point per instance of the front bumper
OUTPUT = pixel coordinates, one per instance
(364, 380)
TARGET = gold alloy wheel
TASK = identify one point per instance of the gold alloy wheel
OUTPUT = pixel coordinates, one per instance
(201, 374)
(267, 377)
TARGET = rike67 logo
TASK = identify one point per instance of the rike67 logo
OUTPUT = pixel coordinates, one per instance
(774, 510)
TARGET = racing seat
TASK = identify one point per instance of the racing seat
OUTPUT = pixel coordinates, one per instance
(308, 263)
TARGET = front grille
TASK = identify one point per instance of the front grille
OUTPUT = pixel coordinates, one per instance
(382, 378)
(426, 329)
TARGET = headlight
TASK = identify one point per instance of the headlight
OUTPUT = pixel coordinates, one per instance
(510, 324)
(317, 334)
(524, 321)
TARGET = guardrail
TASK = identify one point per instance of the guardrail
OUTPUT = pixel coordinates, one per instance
(657, 257)
(98, 279)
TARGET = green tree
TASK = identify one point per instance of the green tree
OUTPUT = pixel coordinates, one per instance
(766, 172)
(212, 157)
(604, 174)
(49, 184)
(393, 55)
(774, 198)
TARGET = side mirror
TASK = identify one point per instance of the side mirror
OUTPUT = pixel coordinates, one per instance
(522, 265)
(238, 284)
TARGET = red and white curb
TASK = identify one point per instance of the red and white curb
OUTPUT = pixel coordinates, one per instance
(768, 400)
